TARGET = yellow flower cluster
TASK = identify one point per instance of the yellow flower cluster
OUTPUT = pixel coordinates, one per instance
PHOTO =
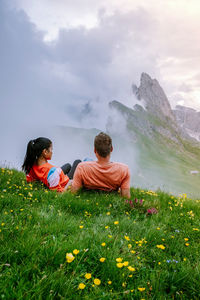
(160, 247)
(121, 264)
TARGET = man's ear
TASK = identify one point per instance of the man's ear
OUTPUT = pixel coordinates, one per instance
(95, 151)
(111, 149)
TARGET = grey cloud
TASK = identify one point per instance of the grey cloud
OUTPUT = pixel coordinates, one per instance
(49, 83)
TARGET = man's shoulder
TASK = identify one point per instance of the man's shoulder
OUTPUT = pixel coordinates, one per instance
(86, 164)
(121, 165)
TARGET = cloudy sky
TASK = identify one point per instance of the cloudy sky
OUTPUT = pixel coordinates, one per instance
(58, 55)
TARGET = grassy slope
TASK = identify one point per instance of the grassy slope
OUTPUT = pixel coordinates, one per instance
(163, 162)
(168, 165)
(39, 227)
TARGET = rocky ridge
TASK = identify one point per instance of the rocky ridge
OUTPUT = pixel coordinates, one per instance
(156, 101)
(155, 115)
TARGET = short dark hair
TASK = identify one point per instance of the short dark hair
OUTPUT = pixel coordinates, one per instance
(103, 144)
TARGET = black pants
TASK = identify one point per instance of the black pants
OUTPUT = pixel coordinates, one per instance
(69, 170)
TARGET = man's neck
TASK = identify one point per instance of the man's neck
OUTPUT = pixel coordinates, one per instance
(103, 160)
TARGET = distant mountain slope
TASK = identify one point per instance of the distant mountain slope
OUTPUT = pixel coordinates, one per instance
(188, 119)
(167, 155)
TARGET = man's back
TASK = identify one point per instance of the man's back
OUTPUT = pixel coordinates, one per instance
(109, 177)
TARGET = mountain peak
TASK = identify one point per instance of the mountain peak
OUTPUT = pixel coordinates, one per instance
(156, 101)
(145, 77)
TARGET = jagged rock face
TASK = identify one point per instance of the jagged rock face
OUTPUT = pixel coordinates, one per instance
(157, 117)
(189, 120)
(153, 95)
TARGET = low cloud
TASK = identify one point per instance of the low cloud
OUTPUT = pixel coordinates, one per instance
(70, 80)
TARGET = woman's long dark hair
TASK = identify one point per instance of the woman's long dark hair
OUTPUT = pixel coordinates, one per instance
(33, 152)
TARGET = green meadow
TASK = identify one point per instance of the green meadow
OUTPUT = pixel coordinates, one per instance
(96, 245)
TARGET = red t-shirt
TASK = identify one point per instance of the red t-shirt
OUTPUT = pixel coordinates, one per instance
(51, 176)
(108, 177)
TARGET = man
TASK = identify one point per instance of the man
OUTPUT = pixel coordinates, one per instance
(102, 174)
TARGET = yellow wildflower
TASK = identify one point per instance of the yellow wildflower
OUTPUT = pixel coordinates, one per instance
(81, 226)
(81, 286)
(195, 229)
(109, 282)
(160, 247)
(124, 284)
(88, 275)
(108, 213)
(125, 263)
(97, 281)
(131, 269)
(103, 244)
(75, 251)
(102, 259)
(69, 257)
(187, 244)
(141, 289)
(119, 259)
(116, 222)
(120, 265)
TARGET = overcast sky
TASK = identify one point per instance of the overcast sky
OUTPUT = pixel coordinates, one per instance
(58, 55)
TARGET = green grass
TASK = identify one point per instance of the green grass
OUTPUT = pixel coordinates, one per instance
(38, 227)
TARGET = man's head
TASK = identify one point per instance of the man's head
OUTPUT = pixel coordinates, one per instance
(103, 144)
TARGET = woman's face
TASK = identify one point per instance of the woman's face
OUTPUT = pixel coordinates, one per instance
(48, 153)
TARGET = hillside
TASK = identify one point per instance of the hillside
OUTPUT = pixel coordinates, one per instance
(118, 249)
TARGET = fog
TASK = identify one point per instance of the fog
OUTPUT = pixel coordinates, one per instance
(50, 84)
(68, 82)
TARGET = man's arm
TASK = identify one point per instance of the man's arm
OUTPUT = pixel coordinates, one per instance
(77, 181)
(125, 185)
(74, 190)
(125, 193)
